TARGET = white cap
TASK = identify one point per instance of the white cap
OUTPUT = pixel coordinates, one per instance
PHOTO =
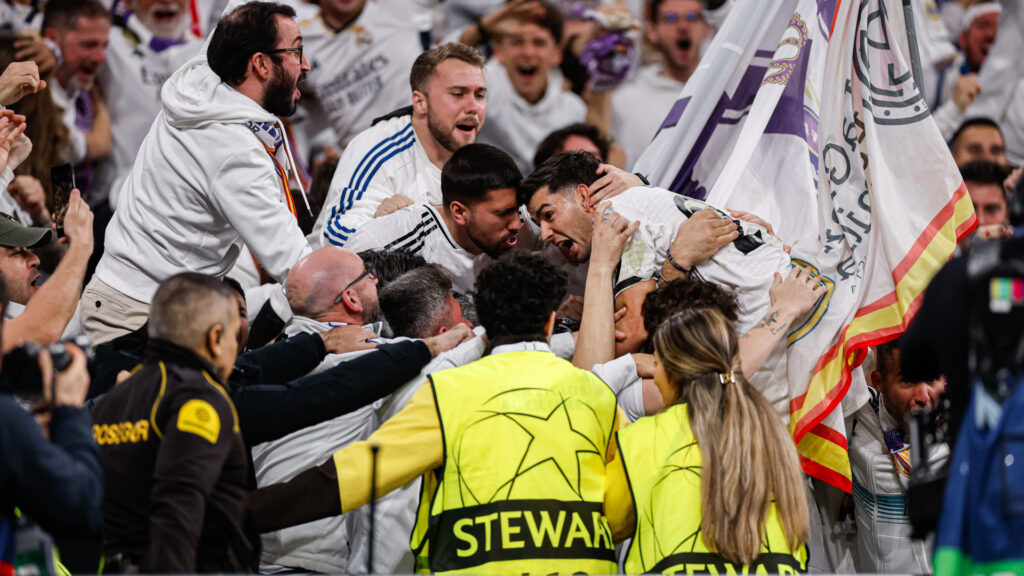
(979, 9)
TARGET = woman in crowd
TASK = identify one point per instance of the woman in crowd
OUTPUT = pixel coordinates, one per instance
(714, 478)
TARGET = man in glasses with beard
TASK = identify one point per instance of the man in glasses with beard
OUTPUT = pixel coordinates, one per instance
(213, 173)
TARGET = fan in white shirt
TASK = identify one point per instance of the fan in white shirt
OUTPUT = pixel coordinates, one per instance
(398, 161)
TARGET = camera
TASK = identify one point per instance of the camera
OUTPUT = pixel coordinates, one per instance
(21, 375)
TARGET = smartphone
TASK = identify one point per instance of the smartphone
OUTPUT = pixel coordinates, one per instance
(62, 181)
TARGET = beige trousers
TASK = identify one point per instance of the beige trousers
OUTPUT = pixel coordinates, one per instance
(106, 313)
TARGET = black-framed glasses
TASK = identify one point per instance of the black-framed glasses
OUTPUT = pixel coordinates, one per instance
(368, 270)
(297, 51)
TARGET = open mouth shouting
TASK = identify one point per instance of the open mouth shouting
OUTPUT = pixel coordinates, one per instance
(467, 126)
(528, 71)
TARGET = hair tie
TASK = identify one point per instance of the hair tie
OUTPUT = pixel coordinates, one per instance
(726, 378)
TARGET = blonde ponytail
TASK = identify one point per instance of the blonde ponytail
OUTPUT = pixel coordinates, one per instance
(748, 455)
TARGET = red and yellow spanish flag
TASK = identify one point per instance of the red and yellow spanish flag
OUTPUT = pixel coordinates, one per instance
(807, 113)
(883, 164)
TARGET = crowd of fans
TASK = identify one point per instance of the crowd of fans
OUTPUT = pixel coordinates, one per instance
(370, 285)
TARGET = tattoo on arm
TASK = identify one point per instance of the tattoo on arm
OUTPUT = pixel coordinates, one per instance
(771, 322)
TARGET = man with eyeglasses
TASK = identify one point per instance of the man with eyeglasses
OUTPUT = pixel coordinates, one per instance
(331, 287)
(676, 29)
(214, 174)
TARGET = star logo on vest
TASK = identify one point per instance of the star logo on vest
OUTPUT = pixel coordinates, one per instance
(554, 440)
(544, 437)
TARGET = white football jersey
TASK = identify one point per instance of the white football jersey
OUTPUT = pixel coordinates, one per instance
(382, 161)
(362, 71)
(131, 78)
(420, 229)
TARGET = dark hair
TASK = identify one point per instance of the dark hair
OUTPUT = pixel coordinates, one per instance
(416, 303)
(885, 357)
(316, 195)
(515, 296)
(973, 123)
(186, 305)
(425, 66)
(64, 14)
(984, 172)
(555, 142)
(473, 171)
(5, 299)
(247, 30)
(683, 294)
(235, 286)
(391, 265)
(652, 10)
(551, 21)
(560, 173)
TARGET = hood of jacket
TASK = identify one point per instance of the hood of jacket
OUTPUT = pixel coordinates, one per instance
(194, 97)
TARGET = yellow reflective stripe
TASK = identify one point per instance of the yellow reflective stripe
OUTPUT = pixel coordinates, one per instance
(159, 397)
(234, 413)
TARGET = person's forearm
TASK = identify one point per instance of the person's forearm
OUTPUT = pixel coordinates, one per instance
(51, 308)
(310, 496)
(285, 360)
(596, 341)
(268, 412)
(757, 344)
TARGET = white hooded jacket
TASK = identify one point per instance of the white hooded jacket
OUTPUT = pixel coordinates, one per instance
(204, 183)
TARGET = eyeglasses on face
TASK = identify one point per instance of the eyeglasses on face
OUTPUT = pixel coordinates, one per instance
(296, 51)
(368, 270)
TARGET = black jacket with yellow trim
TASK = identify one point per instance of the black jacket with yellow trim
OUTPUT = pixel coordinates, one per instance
(176, 468)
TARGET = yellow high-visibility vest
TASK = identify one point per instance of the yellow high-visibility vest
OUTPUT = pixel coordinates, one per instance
(521, 489)
(663, 465)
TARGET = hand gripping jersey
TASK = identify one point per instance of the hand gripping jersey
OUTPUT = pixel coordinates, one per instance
(663, 463)
(535, 504)
(746, 267)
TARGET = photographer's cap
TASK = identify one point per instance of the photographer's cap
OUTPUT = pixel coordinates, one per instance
(15, 235)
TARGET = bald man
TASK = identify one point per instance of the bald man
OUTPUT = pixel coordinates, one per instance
(327, 288)
(333, 286)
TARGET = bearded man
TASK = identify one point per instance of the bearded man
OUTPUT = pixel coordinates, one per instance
(212, 173)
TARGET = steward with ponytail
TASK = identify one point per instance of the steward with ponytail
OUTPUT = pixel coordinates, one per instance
(742, 491)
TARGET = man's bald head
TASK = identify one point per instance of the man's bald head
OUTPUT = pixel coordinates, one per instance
(316, 281)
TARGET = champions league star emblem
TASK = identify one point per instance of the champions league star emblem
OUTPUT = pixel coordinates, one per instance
(896, 99)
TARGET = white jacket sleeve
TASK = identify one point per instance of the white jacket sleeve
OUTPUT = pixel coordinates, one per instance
(247, 191)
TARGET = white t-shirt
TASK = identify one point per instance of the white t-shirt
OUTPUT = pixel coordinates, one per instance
(638, 109)
(362, 71)
(420, 229)
(515, 125)
(382, 161)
